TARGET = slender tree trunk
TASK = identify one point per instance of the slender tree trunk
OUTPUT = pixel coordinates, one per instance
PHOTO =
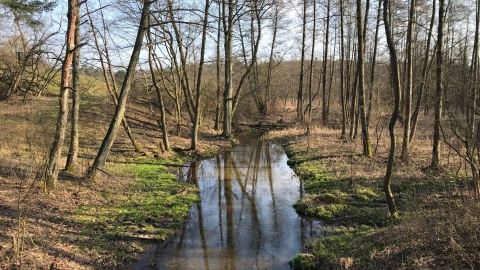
(109, 139)
(183, 74)
(231, 101)
(108, 76)
(393, 120)
(342, 73)
(408, 91)
(439, 88)
(228, 92)
(471, 105)
(312, 58)
(196, 121)
(71, 165)
(53, 167)
(302, 60)
(374, 61)
(353, 107)
(217, 62)
(271, 58)
(423, 83)
(153, 66)
(324, 69)
(367, 149)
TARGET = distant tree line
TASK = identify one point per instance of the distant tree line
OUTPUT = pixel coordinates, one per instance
(340, 63)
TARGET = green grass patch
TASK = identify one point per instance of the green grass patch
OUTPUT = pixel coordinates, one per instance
(153, 208)
(339, 201)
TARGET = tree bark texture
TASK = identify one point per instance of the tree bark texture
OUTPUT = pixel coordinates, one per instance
(53, 167)
(439, 88)
(367, 149)
(393, 119)
(408, 91)
(71, 165)
(109, 139)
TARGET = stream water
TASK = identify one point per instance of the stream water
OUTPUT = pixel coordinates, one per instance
(245, 218)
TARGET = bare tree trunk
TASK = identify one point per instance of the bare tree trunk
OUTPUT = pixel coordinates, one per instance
(439, 88)
(73, 149)
(471, 106)
(217, 60)
(271, 57)
(312, 58)
(408, 91)
(153, 66)
(353, 108)
(374, 61)
(109, 139)
(51, 173)
(423, 83)
(108, 76)
(183, 74)
(302, 60)
(342, 73)
(228, 92)
(324, 69)
(196, 121)
(367, 149)
(230, 100)
(393, 120)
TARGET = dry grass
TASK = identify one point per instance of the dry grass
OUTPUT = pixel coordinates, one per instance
(38, 230)
(439, 225)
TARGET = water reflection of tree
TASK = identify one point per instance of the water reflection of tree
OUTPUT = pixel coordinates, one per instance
(245, 167)
(228, 191)
(193, 177)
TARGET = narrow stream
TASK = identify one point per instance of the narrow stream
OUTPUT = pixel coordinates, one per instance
(245, 219)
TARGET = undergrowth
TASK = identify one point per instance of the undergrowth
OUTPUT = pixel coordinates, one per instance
(438, 223)
(150, 209)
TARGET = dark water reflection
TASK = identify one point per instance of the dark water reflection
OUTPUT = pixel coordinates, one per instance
(245, 219)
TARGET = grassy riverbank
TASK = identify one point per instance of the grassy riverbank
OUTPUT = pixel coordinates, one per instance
(438, 220)
(84, 225)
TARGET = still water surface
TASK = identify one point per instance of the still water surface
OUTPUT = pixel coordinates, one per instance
(245, 219)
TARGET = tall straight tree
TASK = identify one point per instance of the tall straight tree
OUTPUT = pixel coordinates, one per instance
(408, 91)
(395, 74)
(109, 139)
(302, 60)
(231, 12)
(439, 87)
(108, 75)
(181, 68)
(53, 167)
(228, 24)
(367, 149)
(312, 60)
(196, 116)
(217, 65)
(324, 68)
(154, 65)
(278, 4)
(342, 73)
(423, 83)
(374, 61)
(473, 74)
(73, 149)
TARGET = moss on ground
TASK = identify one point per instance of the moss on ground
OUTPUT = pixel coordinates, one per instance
(342, 188)
(356, 206)
(152, 208)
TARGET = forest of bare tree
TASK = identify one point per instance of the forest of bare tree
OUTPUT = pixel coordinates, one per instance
(393, 83)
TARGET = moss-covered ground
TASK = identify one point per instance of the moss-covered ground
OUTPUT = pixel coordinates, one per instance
(135, 203)
(345, 190)
(151, 208)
